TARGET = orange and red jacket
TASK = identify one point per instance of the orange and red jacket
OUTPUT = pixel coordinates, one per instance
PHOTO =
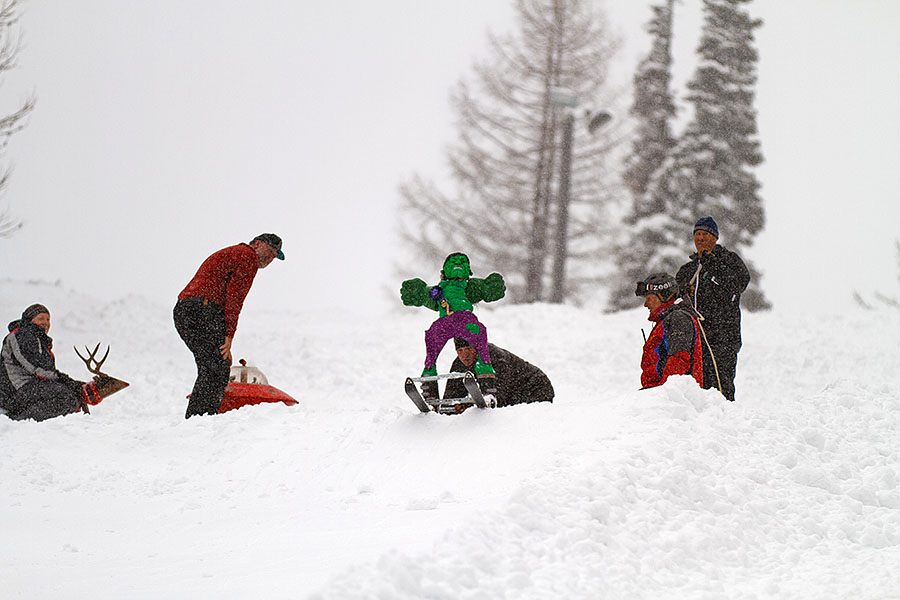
(225, 278)
(673, 347)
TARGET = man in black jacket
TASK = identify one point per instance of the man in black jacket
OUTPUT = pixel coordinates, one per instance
(31, 387)
(517, 381)
(714, 280)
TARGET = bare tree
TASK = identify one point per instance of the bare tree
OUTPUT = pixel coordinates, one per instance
(505, 163)
(654, 109)
(15, 121)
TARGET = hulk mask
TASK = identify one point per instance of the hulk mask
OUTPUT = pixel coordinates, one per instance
(456, 266)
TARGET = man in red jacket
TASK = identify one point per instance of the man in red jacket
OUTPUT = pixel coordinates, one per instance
(673, 347)
(207, 312)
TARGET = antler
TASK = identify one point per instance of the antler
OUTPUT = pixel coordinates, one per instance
(92, 357)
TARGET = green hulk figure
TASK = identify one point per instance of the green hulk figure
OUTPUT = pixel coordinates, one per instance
(453, 298)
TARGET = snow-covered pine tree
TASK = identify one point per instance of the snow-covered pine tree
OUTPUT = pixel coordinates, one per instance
(653, 109)
(505, 163)
(710, 170)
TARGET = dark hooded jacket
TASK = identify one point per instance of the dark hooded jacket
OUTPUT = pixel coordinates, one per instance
(716, 293)
(27, 358)
(27, 354)
(518, 381)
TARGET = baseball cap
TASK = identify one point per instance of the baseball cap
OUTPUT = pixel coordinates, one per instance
(272, 240)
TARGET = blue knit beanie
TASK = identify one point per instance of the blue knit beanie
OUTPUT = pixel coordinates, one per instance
(708, 225)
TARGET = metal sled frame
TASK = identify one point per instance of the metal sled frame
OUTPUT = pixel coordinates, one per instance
(449, 406)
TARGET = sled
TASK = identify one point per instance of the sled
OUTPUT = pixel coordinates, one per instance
(448, 406)
(247, 386)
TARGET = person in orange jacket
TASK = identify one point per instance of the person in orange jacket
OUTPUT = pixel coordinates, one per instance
(674, 345)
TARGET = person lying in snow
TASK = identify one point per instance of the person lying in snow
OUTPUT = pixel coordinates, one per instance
(31, 387)
(673, 347)
(517, 381)
(454, 298)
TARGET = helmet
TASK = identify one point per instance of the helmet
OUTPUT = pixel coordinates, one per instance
(662, 285)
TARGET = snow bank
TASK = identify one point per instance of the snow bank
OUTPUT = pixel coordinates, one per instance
(791, 492)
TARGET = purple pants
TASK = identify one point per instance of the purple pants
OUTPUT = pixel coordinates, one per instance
(451, 326)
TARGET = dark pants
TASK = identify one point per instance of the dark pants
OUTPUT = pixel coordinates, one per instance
(43, 399)
(201, 324)
(726, 362)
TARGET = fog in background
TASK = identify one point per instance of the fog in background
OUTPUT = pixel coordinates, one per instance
(166, 131)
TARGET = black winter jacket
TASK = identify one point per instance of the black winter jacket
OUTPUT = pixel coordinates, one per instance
(518, 381)
(26, 356)
(716, 293)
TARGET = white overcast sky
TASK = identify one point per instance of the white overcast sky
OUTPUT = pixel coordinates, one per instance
(167, 130)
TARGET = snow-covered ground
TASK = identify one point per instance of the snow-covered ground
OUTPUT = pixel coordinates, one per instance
(610, 492)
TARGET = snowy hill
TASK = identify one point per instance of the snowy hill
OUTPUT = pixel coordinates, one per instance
(610, 492)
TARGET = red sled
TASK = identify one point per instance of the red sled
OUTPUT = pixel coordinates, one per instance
(247, 386)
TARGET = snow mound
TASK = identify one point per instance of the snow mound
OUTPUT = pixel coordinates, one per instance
(609, 492)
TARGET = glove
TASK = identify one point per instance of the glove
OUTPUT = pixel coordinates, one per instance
(414, 292)
(711, 262)
(68, 381)
(494, 287)
(90, 394)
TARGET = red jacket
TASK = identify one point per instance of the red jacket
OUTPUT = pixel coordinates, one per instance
(673, 347)
(225, 278)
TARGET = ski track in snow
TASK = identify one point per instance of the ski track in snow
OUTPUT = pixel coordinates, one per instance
(610, 492)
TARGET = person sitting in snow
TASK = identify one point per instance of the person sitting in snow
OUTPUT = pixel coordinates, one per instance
(454, 299)
(673, 347)
(31, 387)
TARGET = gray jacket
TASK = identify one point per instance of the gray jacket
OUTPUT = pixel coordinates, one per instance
(26, 356)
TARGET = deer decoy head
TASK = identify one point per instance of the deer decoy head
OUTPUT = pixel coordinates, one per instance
(104, 384)
(91, 358)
